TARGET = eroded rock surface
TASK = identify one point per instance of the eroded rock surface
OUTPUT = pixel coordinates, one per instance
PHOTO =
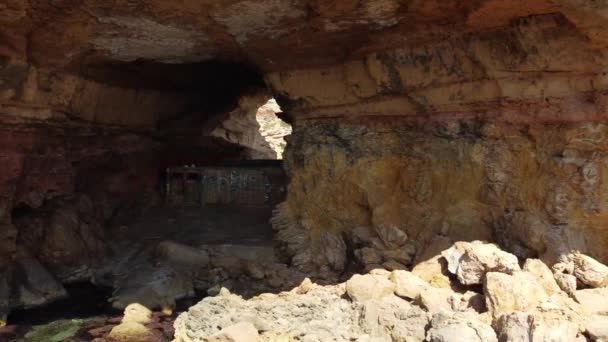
(398, 306)
(395, 186)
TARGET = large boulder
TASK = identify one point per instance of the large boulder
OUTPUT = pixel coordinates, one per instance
(520, 326)
(370, 286)
(407, 285)
(459, 327)
(505, 293)
(470, 261)
(543, 275)
(589, 271)
(595, 304)
(393, 319)
(593, 300)
(597, 327)
(33, 285)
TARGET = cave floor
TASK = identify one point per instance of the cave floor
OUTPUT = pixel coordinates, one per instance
(232, 229)
(202, 226)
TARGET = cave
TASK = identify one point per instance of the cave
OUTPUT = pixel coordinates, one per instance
(237, 170)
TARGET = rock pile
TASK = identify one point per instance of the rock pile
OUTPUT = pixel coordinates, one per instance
(478, 293)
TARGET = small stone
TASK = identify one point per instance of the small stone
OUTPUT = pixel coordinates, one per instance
(368, 256)
(436, 300)
(362, 288)
(137, 313)
(304, 287)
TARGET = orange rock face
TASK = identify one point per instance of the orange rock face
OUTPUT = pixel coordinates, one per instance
(464, 119)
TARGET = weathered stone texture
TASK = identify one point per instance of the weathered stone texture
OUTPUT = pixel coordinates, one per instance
(538, 190)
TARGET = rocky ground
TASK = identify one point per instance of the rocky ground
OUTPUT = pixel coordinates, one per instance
(469, 292)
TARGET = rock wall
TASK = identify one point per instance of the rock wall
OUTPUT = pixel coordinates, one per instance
(384, 189)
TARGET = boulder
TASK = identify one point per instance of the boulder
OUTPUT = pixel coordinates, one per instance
(589, 271)
(434, 271)
(468, 301)
(593, 300)
(240, 332)
(597, 327)
(505, 293)
(567, 282)
(436, 300)
(137, 313)
(182, 255)
(535, 327)
(471, 260)
(134, 332)
(361, 288)
(543, 274)
(368, 256)
(459, 327)
(407, 285)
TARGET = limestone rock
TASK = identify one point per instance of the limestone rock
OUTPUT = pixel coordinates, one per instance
(543, 274)
(517, 292)
(566, 282)
(534, 327)
(240, 332)
(137, 313)
(370, 286)
(323, 311)
(597, 327)
(470, 261)
(593, 300)
(436, 300)
(407, 285)
(434, 271)
(134, 332)
(459, 327)
(393, 319)
(589, 271)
